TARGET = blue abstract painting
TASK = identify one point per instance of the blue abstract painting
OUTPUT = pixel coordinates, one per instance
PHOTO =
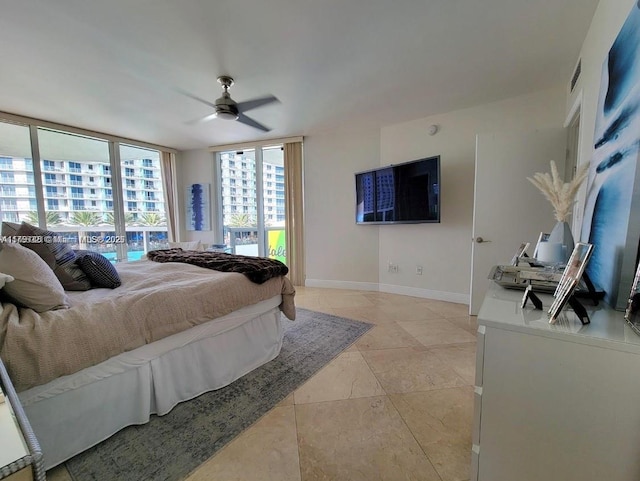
(611, 209)
(198, 214)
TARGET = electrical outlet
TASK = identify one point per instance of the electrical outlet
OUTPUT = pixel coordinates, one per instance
(418, 270)
(393, 268)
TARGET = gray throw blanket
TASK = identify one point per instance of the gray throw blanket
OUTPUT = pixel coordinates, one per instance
(257, 269)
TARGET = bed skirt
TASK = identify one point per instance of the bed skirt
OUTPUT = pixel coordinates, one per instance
(76, 412)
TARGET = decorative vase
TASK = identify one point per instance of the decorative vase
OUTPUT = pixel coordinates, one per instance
(561, 233)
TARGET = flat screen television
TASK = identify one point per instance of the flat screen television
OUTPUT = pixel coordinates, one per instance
(407, 193)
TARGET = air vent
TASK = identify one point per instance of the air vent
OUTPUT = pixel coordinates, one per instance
(576, 75)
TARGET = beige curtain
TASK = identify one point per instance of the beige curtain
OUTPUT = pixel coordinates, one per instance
(294, 211)
(168, 162)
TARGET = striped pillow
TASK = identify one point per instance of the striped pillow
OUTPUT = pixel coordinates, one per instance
(98, 269)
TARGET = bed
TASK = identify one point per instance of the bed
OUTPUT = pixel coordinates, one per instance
(170, 333)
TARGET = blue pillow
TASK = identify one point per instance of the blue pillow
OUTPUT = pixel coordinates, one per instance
(98, 269)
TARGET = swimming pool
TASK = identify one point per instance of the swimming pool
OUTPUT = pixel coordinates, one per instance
(131, 255)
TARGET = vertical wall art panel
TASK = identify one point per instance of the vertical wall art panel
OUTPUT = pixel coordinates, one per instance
(198, 212)
(612, 210)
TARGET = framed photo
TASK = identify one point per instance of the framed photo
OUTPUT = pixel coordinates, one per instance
(543, 237)
(570, 278)
(632, 314)
(519, 253)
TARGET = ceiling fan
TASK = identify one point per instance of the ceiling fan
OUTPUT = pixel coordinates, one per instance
(228, 109)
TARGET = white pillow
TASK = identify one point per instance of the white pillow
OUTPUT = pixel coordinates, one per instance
(187, 246)
(34, 285)
(4, 278)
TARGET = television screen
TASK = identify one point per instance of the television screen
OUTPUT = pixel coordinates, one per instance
(403, 193)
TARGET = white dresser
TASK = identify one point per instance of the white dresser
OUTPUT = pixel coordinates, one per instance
(555, 402)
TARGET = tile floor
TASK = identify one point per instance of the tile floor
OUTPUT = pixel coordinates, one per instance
(396, 405)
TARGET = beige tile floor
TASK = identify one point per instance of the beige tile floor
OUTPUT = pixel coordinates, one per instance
(396, 405)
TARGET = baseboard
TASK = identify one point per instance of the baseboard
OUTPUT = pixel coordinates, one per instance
(390, 288)
(425, 293)
(356, 286)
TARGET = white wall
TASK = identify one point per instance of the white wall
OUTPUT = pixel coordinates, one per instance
(444, 250)
(339, 253)
(193, 167)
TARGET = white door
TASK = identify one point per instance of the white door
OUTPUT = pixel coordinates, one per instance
(508, 210)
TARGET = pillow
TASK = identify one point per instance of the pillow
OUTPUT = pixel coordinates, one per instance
(34, 286)
(100, 271)
(187, 246)
(9, 228)
(4, 278)
(58, 256)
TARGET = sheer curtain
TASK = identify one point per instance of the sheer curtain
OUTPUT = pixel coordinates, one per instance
(168, 162)
(294, 214)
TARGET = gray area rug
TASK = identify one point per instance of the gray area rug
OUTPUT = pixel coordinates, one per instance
(170, 447)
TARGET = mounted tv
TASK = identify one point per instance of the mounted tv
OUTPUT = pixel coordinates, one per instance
(407, 193)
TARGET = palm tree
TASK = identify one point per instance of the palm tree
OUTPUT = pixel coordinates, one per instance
(84, 218)
(52, 218)
(109, 219)
(152, 219)
(241, 220)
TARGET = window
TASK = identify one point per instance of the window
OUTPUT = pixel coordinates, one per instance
(75, 204)
(131, 194)
(130, 183)
(252, 225)
(129, 172)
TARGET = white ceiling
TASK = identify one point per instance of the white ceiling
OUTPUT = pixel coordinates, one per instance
(116, 66)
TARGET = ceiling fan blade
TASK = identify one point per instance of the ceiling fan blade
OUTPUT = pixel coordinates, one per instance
(201, 120)
(194, 97)
(255, 103)
(249, 121)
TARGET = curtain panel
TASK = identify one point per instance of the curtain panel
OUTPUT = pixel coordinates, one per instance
(294, 213)
(168, 162)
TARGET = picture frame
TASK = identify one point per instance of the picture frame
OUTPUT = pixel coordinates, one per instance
(519, 253)
(543, 237)
(632, 313)
(569, 281)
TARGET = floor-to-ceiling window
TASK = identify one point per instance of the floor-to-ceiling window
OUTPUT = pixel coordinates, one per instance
(252, 200)
(96, 193)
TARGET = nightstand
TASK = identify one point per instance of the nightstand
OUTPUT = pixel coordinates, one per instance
(20, 455)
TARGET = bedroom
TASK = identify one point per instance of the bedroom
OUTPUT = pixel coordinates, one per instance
(359, 255)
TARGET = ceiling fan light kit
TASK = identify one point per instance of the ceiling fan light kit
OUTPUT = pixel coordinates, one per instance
(228, 109)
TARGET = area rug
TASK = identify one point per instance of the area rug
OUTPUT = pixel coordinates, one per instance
(170, 447)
